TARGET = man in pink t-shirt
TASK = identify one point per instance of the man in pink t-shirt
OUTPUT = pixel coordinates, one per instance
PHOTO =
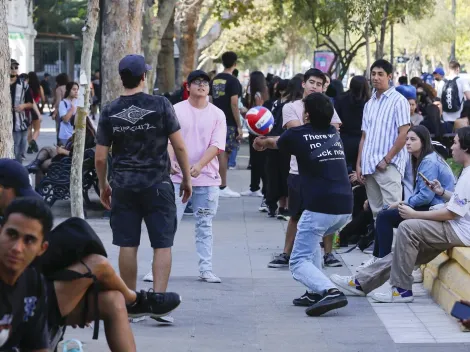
(204, 130)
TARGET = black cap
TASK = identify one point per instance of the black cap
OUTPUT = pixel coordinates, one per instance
(135, 64)
(198, 74)
(14, 175)
(13, 62)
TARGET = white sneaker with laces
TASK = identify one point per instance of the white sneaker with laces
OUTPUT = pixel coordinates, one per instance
(208, 276)
(347, 284)
(228, 193)
(148, 277)
(367, 263)
(393, 296)
(137, 320)
(166, 319)
(417, 276)
(251, 194)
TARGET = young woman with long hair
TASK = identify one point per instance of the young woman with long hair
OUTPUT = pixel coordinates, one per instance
(67, 111)
(257, 95)
(61, 81)
(38, 95)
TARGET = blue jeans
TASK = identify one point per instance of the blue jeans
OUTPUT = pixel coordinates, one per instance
(306, 260)
(232, 159)
(205, 200)
(386, 221)
(20, 141)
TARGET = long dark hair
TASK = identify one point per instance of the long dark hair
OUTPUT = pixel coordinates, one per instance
(359, 89)
(272, 87)
(257, 84)
(294, 90)
(33, 82)
(464, 138)
(68, 88)
(335, 89)
(62, 79)
(426, 148)
(433, 114)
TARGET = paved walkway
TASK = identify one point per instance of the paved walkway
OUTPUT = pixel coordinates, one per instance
(251, 310)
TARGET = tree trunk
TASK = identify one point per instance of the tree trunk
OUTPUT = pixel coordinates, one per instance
(166, 60)
(6, 119)
(367, 37)
(383, 28)
(121, 35)
(454, 16)
(156, 19)
(187, 17)
(89, 33)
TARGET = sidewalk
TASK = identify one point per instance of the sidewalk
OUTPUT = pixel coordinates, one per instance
(251, 310)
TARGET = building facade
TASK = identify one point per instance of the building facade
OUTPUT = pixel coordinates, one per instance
(21, 33)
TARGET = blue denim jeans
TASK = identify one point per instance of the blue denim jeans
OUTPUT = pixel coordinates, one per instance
(205, 200)
(306, 260)
(20, 140)
(386, 221)
(232, 159)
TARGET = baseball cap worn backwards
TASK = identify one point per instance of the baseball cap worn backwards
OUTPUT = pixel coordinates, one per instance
(135, 64)
(14, 175)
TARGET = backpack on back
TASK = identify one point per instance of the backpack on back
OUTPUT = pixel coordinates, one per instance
(450, 96)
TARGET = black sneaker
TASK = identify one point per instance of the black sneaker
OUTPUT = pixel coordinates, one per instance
(153, 304)
(263, 208)
(331, 261)
(307, 299)
(271, 213)
(281, 261)
(188, 211)
(34, 146)
(333, 299)
(29, 150)
(283, 214)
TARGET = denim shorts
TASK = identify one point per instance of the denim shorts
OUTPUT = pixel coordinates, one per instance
(154, 205)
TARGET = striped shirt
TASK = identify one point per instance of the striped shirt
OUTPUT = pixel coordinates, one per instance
(381, 121)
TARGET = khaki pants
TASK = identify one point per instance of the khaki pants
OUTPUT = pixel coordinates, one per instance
(417, 242)
(383, 188)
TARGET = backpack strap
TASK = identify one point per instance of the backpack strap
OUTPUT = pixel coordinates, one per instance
(325, 146)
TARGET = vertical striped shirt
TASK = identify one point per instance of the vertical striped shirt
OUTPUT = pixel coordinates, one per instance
(381, 120)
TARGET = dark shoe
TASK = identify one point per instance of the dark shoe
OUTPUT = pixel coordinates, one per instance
(188, 211)
(34, 146)
(33, 167)
(283, 214)
(331, 261)
(307, 299)
(271, 213)
(333, 299)
(29, 150)
(153, 304)
(280, 262)
(263, 208)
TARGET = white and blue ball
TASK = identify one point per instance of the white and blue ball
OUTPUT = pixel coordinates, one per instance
(259, 120)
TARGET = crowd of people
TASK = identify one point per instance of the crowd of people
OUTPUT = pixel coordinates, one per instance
(361, 162)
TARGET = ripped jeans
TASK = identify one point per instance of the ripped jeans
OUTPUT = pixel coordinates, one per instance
(205, 200)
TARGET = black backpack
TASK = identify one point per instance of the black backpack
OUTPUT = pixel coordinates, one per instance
(69, 243)
(450, 96)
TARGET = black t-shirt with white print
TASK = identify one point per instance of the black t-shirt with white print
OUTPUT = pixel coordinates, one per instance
(23, 313)
(325, 186)
(137, 128)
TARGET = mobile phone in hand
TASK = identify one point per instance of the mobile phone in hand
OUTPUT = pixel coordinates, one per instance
(460, 311)
(424, 178)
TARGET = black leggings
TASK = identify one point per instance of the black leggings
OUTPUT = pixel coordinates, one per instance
(257, 160)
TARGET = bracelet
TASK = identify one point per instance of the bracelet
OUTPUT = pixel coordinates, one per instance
(443, 192)
(386, 162)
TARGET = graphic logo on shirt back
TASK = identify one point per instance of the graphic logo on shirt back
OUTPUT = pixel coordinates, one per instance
(29, 307)
(218, 88)
(132, 114)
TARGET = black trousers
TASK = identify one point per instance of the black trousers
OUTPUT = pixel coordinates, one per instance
(276, 170)
(257, 160)
(360, 218)
(351, 149)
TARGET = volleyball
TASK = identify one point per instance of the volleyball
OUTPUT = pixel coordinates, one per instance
(259, 120)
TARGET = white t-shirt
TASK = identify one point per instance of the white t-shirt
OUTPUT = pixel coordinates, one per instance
(295, 111)
(464, 87)
(439, 85)
(460, 205)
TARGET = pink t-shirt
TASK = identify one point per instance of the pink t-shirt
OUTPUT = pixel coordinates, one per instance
(295, 111)
(201, 129)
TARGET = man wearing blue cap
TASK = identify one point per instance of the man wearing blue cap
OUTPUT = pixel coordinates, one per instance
(439, 80)
(137, 126)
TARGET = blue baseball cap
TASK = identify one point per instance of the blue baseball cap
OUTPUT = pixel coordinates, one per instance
(14, 175)
(135, 64)
(409, 92)
(439, 71)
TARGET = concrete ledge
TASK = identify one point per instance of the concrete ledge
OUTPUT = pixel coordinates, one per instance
(447, 277)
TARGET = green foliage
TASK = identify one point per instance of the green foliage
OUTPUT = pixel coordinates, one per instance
(237, 10)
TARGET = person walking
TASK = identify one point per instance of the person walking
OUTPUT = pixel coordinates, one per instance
(137, 126)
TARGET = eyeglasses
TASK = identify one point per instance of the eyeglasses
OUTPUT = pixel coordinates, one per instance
(14, 67)
(199, 82)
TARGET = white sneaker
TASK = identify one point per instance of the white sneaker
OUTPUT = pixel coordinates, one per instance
(367, 263)
(137, 320)
(348, 284)
(228, 193)
(167, 319)
(393, 296)
(232, 167)
(148, 277)
(251, 194)
(208, 276)
(417, 276)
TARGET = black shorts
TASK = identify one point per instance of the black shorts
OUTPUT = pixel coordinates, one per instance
(155, 205)
(295, 197)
